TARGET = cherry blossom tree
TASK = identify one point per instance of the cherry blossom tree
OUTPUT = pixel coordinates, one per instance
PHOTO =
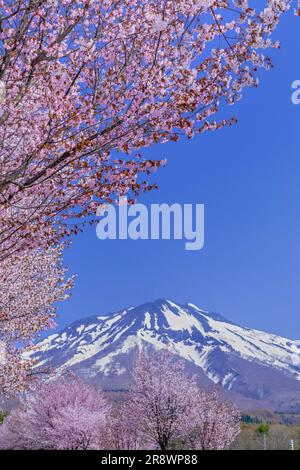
(30, 286)
(84, 80)
(65, 414)
(166, 407)
(159, 400)
(121, 432)
(214, 424)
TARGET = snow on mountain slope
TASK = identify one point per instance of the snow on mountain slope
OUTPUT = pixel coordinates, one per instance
(247, 361)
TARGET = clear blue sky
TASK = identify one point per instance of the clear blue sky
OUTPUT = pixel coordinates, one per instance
(248, 177)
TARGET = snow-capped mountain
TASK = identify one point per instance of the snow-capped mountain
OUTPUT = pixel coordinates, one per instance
(255, 368)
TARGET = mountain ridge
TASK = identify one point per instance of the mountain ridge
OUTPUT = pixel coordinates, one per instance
(251, 365)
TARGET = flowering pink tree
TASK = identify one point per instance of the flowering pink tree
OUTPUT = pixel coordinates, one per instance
(160, 400)
(30, 285)
(65, 414)
(214, 424)
(121, 433)
(81, 78)
(165, 407)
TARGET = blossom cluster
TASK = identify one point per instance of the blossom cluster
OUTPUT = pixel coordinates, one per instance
(163, 408)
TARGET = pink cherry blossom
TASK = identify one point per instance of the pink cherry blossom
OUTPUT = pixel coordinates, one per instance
(64, 414)
(214, 424)
(30, 286)
(86, 84)
(166, 406)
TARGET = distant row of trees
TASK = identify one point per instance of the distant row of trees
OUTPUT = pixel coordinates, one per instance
(163, 409)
